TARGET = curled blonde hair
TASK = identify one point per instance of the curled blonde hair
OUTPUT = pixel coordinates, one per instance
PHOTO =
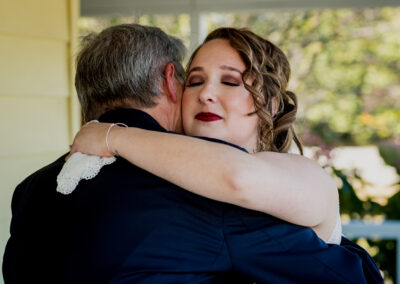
(269, 70)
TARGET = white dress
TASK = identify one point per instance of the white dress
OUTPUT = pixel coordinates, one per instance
(336, 235)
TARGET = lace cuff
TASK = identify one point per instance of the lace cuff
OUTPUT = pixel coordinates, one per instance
(80, 166)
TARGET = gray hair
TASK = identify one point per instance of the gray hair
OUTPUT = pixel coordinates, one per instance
(125, 64)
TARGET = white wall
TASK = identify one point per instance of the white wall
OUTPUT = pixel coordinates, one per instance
(38, 109)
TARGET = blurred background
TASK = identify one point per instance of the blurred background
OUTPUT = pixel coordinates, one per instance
(345, 63)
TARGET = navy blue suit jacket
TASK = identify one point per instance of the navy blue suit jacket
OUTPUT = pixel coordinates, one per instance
(129, 226)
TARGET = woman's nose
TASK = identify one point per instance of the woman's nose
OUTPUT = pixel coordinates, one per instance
(207, 94)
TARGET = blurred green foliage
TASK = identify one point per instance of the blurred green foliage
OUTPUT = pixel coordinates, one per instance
(176, 25)
(383, 251)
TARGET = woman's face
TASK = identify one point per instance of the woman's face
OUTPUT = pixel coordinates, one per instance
(215, 102)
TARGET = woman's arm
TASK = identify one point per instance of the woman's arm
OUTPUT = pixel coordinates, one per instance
(287, 186)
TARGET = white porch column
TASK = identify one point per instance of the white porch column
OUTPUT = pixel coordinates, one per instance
(198, 26)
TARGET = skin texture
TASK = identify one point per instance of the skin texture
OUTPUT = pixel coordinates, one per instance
(288, 186)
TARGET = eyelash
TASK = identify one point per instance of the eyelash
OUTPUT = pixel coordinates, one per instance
(194, 84)
(231, 84)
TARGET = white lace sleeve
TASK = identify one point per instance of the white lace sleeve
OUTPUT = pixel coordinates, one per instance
(79, 166)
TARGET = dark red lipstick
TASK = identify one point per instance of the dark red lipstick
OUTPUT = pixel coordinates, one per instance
(207, 116)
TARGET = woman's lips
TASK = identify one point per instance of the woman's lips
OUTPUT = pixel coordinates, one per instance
(207, 116)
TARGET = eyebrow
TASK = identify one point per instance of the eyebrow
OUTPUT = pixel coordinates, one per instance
(197, 68)
(223, 67)
(230, 68)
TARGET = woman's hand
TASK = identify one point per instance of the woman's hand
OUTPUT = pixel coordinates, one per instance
(91, 139)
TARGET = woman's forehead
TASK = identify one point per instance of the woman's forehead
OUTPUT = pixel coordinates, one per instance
(217, 52)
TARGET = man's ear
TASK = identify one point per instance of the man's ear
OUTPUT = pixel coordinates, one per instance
(169, 74)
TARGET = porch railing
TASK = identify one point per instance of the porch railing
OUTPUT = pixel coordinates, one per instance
(386, 230)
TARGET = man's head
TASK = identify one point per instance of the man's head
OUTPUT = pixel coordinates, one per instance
(126, 66)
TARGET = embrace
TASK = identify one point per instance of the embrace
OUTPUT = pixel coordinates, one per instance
(185, 175)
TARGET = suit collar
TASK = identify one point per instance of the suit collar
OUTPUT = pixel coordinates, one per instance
(133, 118)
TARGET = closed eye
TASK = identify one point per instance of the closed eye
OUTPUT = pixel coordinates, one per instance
(194, 84)
(194, 80)
(231, 84)
(230, 80)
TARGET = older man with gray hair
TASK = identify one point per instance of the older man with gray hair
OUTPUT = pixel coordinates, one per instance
(127, 73)
(126, 66)
(129, 226)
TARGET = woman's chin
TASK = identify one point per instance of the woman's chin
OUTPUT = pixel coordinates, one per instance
(208, 134)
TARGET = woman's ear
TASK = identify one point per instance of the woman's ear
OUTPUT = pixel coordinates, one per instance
(169, 74)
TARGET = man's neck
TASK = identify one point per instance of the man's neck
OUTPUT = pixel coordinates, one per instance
(163, 117)
(165, 113)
